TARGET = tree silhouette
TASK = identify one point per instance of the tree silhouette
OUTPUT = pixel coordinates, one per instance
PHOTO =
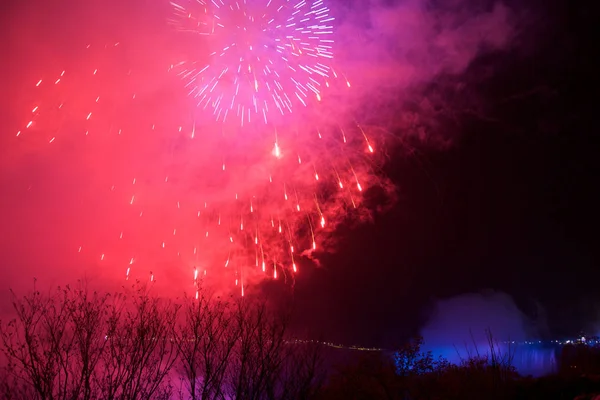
(73, 343)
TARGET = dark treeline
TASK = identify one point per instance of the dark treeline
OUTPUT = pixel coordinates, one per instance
(77, 344)
(74, 343)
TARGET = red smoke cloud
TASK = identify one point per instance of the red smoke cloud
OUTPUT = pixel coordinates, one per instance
(110, 171)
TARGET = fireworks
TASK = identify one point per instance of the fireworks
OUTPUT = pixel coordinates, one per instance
(83, 98)
(256, 58)
(248, 216)
(180, 198)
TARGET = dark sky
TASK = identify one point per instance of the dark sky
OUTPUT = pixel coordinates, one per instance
(498, 192)
(511, 205)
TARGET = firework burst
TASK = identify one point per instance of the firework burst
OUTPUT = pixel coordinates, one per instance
(253, 59)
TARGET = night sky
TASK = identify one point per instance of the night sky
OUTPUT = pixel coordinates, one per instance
(495, 191)
(511, 205)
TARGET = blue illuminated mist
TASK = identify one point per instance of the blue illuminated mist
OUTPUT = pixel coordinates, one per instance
(458, 329)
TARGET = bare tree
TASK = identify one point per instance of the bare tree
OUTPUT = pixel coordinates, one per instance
(87, 316)
(53, 344)
(303, 374)
(266, 365)
(206, 338)
(139, 352)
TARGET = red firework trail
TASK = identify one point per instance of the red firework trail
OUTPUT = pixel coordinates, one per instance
(78, 99)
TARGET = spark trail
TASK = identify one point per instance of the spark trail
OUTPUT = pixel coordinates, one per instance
(77, 98)
(247, 216)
